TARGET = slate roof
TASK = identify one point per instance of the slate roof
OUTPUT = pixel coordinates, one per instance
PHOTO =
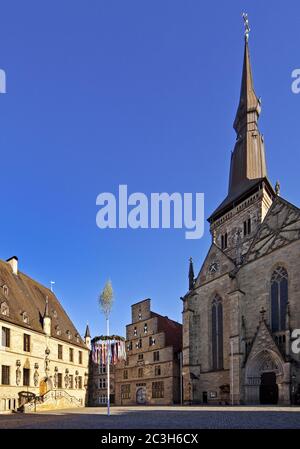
(27, 295)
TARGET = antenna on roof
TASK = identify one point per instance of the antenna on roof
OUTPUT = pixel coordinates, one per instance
(51, 285)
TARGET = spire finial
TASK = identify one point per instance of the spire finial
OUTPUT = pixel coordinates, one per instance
(87, 331)
(247, 26)
(191, 274)
(277, 188)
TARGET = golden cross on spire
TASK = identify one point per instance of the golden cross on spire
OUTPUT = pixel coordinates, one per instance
(247, 26)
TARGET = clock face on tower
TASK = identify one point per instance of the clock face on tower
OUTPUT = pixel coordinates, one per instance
(213, 268)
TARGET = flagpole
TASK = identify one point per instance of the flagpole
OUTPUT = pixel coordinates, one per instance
(108, 366)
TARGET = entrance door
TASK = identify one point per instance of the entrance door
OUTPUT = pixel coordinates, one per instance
(268, 391)
(141, 396)
(204, 397)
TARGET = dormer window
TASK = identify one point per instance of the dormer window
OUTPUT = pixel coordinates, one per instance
(4, 309)
(135, 332)
(54, 314)
(57, 330)
(145, 328)
(5, 290)
(77, 338)
(25, 317)
(140, 315)
(69, 335)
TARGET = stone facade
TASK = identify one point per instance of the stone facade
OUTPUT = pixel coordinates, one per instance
(240, 311)
(97, 385)
(46, 359)
(151, 373)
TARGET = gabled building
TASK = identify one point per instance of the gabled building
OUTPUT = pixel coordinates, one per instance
(151, 373)
(43, 359)
(240, 310)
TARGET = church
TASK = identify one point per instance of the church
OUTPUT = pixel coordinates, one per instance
(241, 309)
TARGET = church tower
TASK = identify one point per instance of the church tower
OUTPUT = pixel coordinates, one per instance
(87, 337)
(250, 193)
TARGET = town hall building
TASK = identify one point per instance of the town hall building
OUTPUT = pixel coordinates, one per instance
(241, 309)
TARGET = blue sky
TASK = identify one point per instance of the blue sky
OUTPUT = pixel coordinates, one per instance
(133, 92)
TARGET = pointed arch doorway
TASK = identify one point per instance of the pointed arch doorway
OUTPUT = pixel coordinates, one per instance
(265, 379)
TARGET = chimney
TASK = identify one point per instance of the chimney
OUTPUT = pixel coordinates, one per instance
(13, 262)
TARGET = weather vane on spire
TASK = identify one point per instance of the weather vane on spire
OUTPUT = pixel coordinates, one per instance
(247, 26)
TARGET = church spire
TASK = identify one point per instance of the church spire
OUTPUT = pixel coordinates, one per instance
(248, 162)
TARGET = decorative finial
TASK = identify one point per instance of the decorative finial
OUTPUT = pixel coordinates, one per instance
(191, 274)
(247, 26)
(277, 188)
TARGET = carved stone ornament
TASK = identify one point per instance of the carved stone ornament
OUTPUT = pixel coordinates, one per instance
(18, 376)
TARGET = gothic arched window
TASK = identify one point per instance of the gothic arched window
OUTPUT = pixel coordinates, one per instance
(217, 333)
(279, 299)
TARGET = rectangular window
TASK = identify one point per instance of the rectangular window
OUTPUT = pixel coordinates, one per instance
(60, 352)
(224, 241)
(102, 399)
(80, 357)
(102, 382)
(5, 375)
(26, 377)
(157, 390)
(59, 380)
(80, 382)
(140, 372)
(141, 357)
(156, 356)
(5, 337)
(71, 354)
(247, 227)
(102, 369)
(71, 381)
(26, 343)
(125, 391)
(125, 374)
(157, 370)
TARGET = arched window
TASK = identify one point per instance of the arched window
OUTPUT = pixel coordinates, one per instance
(217, 333)
(279, 299)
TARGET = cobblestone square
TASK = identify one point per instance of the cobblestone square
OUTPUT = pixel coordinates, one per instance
(158, 418)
